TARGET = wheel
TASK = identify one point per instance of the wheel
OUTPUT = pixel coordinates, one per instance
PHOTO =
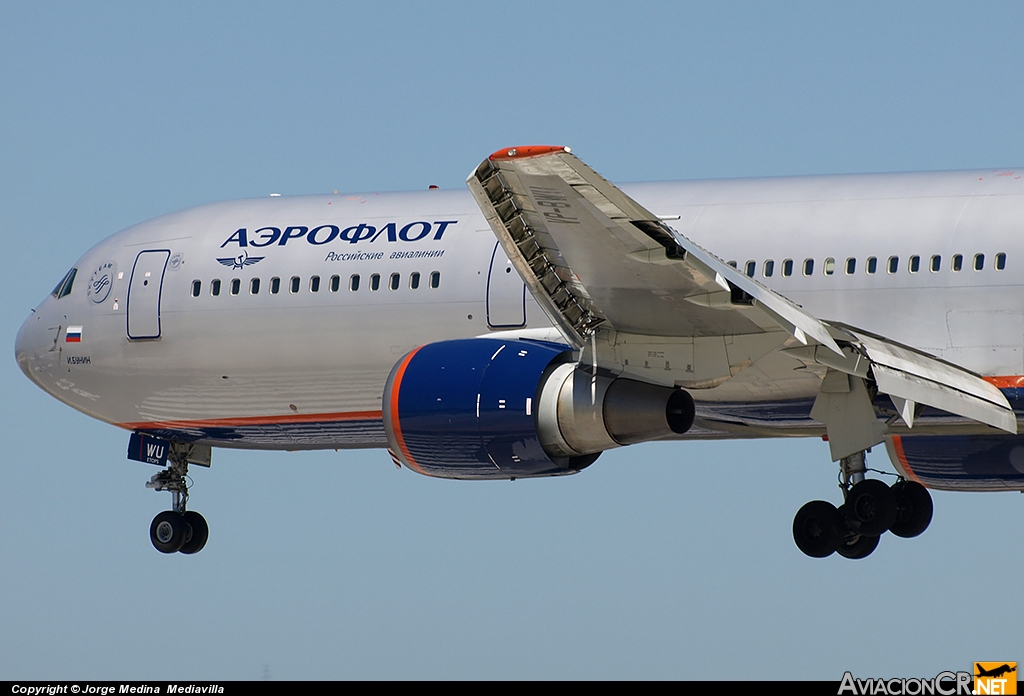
(196, 533)
(870, 507)
(167, 532)
(857, 546)
(854, 545)
(816, 529)
(913, 509)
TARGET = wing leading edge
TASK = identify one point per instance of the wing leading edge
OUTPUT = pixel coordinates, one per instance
(615, 278)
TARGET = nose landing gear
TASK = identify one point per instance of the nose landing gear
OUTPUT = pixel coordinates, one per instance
(177, 530)
(167, 532)
(870, 509)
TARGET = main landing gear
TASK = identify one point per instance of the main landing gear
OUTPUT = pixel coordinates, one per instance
(177, 530)
(871, 508)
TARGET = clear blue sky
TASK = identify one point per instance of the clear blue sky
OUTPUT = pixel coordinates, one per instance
(660, 561)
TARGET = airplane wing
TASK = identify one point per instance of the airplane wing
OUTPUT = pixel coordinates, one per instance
(651, 303)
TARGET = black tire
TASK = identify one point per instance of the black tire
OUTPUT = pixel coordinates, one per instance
(870, 507)
(857, 546)
(167, 532)
(816, 529)
(197, 533)
(913, 509)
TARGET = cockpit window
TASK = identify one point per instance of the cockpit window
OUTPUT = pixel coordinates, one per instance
(64, 286)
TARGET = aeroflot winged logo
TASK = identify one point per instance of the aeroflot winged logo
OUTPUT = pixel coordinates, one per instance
(241, 261)
(336, 234)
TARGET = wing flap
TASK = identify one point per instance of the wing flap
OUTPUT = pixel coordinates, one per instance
(908, 375)
(910, 387)
(911, 375)
(904, 360)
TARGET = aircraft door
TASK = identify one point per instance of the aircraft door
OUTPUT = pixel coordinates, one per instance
(143, 304)
(506, 293)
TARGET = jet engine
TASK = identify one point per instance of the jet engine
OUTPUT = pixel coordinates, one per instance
(485, 408)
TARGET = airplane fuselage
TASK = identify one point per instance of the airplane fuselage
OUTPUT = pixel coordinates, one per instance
(274, 322)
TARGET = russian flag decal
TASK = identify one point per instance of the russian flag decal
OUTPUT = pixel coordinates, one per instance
(73, 335)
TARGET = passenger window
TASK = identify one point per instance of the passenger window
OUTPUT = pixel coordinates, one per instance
(197, 287)
(830, 266)
(64, 286)
(751, 267)
(979, 262)
(395, 280)
(214, 287)
(236, 286)
(353, 283)
(851, 266)
(871, 266)
(731, 263)
(435, 279)
(375, 282)
(254, 286)
(414, 280)
(335, 283)
(958, 262)
(936, 264)
(808, 267)
(1000, 261)
(314, 284)
(295, 285)
(914, 265)
(894, 264)
(275, 285)
(769, 268)
(787, 267)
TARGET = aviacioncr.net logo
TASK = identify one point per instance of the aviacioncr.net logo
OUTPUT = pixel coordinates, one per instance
(943, 684)
(995, 678)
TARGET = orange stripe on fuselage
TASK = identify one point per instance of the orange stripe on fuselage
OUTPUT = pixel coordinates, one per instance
(256, 420)
(897, 444)
(1007, 382)
(396, 426)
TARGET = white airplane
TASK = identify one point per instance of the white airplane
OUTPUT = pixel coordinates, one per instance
(546, 316)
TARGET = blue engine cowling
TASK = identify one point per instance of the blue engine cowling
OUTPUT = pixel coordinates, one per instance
(487, 408)
(465, 409)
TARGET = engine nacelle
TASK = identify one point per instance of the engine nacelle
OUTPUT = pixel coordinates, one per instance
(485, 408)
(960, 462)
(581, 413)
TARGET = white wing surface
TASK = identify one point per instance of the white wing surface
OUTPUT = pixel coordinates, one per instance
(615, 279)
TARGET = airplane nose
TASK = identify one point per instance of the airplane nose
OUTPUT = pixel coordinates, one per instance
(30, 344)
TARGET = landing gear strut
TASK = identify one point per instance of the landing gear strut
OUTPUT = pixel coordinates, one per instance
(177, 529)
(870, 509)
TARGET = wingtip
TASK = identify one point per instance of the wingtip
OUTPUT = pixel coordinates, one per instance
(510, 153)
